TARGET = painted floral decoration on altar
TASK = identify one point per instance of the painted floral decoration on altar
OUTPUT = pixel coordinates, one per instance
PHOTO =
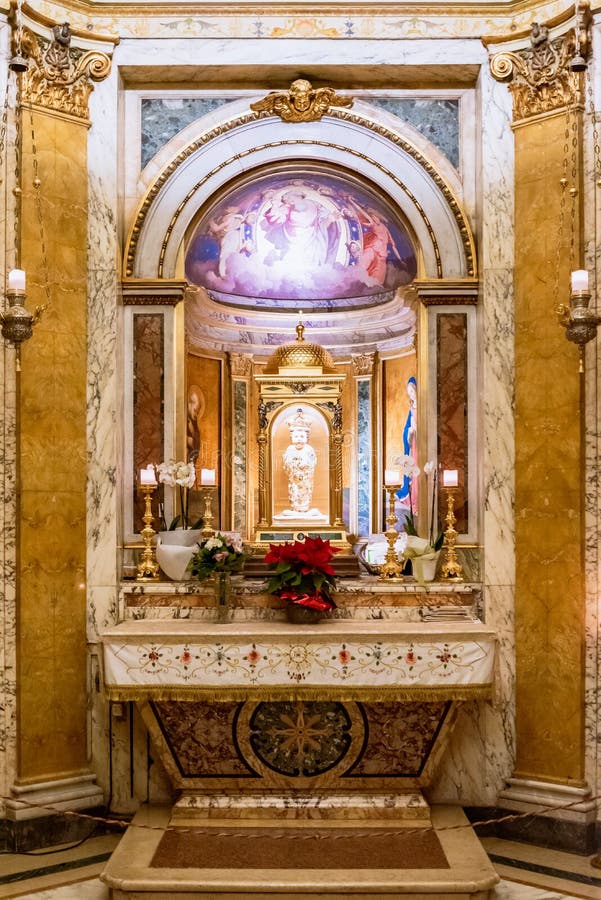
(302, 573)
(180, 475)
(217, 554)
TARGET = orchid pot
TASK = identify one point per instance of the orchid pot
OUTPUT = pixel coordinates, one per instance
(175, 549)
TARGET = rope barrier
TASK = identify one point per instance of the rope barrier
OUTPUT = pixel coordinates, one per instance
(312, 835)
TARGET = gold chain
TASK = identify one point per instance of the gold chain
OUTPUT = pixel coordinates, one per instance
(562, 202)
(38, 205)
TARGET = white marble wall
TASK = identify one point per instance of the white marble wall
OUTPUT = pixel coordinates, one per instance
(593, 429)
(8, 483)
(481, 753)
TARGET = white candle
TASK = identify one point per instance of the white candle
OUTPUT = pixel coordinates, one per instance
(207, 476)
(391, 476)
(450, 478)
(579, 280)
(16, 280)
(147, 475)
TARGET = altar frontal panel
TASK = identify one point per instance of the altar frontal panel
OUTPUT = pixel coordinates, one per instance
(298, 745)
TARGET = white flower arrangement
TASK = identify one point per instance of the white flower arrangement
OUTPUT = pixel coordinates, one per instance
(180, 475)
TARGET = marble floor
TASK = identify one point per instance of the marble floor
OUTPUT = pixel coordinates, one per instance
(528, 873)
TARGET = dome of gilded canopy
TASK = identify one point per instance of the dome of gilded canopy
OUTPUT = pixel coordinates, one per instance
(300, 355)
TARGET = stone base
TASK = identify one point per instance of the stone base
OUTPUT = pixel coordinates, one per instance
(130, 876)
(560, 816)
(28, 800)
(193, 806)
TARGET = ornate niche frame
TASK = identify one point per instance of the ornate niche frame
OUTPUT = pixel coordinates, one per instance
(299, 375)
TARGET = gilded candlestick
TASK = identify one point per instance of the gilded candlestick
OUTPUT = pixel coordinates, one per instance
(451, 567)
(148, 567)
(207, 527)
(392, 569)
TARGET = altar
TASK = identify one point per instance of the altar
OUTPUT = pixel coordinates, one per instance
(261, 724)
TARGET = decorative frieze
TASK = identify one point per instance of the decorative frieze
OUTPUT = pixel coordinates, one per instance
(153, 292)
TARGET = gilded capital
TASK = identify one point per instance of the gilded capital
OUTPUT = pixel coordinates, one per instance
(363, 364)
(60, 77)
(301, 103)
(241, 364)
(540, 77)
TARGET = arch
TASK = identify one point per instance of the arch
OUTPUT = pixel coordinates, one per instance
(352, 139)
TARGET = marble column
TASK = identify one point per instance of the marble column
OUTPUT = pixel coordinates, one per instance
(53, 758)
(549, 449)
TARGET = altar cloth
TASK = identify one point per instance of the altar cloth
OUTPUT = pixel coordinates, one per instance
(337, 659)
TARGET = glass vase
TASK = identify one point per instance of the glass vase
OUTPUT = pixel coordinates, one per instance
(223, 599)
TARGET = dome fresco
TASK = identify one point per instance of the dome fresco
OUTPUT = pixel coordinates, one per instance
(300, 236)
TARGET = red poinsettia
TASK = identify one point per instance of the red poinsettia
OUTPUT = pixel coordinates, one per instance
(303, 574)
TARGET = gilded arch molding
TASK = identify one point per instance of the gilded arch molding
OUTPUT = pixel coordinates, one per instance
(454, 207)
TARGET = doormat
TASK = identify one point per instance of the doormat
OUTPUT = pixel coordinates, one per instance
(295, 848)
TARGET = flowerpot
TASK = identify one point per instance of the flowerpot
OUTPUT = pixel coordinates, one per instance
(303, 615)
(175, 549)
(424, 567)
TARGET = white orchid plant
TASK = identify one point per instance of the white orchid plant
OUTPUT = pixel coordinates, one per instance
(182, 476)
(417, 546)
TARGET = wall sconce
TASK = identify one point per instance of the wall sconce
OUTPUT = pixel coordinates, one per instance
(579, 321)
(15, 320)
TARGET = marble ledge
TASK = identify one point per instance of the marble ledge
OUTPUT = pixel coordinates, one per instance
(349, 587)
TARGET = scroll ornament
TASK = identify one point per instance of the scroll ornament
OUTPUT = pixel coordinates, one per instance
(60, 77)
(540, 76)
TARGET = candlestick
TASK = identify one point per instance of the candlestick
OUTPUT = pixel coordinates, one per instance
(392, 569)
(207, 516)
(207, 477)
(148, 475)
(391, 476)
(148, 567)
(16, 281)
(579, 280)
(451, 568)
(450, 478)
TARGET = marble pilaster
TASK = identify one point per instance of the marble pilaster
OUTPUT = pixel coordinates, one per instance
(8, 509)
(481, 750)
(592, 412)
(110, 744)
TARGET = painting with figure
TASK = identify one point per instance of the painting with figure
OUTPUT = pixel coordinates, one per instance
(301, 235)
(399, 385)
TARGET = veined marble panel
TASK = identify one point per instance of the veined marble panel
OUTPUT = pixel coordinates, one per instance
(8, 509)
(162, 118)
(239, 460)
(497, 722)
(438, 120)
(104, 432)
(148, 400)
(105, 392)
(592, 218)
(364, 456)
